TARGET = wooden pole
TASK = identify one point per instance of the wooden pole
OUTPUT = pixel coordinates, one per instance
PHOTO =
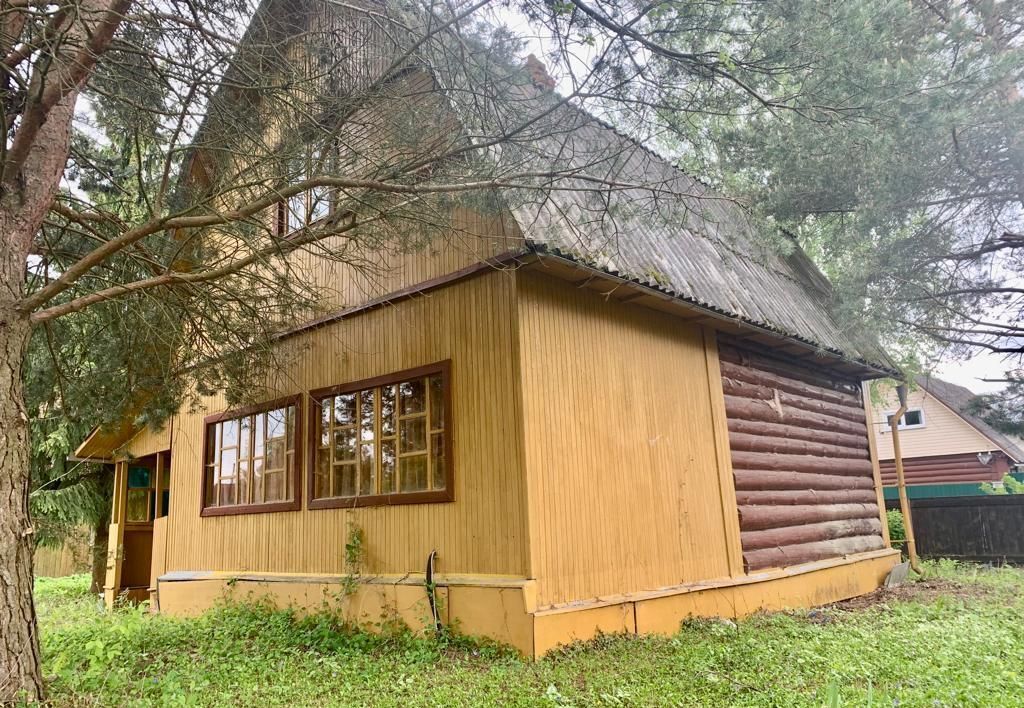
(894, 424)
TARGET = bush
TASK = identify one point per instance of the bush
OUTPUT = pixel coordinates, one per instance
(897, 531)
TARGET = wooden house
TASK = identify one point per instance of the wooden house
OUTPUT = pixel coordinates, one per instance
(572, 438)
(947, 450)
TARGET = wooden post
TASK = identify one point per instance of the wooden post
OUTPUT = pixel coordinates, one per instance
(869, 419)
(723, 455)
(115, 542)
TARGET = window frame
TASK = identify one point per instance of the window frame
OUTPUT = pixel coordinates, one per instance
(282, 214)
(433, 496)
(903, 425)
(295, 503)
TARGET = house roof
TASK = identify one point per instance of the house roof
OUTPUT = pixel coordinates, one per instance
(957, 398)
(689, 243)
(668, 232)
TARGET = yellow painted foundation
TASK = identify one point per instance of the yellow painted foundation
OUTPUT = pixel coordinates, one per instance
(505, 610)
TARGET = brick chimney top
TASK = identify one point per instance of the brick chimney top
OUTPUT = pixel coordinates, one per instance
(539, 74)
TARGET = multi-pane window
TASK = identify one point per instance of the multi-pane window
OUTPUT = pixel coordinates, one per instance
(384, 441)
(913, 418)
(251, 460)
(140, 498)
(311, 205)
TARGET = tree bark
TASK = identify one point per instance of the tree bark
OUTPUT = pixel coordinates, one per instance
(20, 676)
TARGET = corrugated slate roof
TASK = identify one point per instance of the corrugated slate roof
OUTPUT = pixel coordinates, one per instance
(957, 399)
(674, 234)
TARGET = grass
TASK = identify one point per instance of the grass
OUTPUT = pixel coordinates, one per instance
(955, 639)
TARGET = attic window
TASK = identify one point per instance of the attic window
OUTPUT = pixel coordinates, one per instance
(309, 206)
(251, 463)
(383, 441)
(913, 418)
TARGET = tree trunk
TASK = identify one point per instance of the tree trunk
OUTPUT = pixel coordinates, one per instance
(20, 677)
(101, 534)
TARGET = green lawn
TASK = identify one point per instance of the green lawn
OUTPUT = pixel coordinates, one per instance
(954, 639)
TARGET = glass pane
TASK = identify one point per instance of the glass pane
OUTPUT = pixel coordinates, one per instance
(244, 437)
(366, 414)
(367, 469)
(387, 467)
(243, 482)
(296, 211)
(414, 473)
(438, 461)
(320, 206)
(275, 490)
(414, 396)
(413, 436)
(344, 445)
(322, 475)
(912, 418)
(230, 433)
(259, 433)
(275, 455)
(139, 478)
(289, 417)
(165, 503)
(345, 409)
(137, 505)
(210, 496)
(228, 458)
(165, 475)
(387, 411)
(345, 480)
(436, 402)
(257, 480)
(276, 427)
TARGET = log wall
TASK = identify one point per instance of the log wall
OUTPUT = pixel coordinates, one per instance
(801, 462)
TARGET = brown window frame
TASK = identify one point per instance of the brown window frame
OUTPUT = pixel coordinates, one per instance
(435, 496)
(295, 503)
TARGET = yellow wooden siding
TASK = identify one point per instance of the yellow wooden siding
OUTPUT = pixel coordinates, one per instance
(944, 432)
(374, 270)
(619, 446)
(147, 441)
(482, 531)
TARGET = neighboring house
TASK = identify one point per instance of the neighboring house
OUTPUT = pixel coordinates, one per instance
(589, 442)
(947, 451)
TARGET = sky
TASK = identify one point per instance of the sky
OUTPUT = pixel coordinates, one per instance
(968, 373)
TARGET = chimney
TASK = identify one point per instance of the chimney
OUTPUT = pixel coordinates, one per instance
(539, 74)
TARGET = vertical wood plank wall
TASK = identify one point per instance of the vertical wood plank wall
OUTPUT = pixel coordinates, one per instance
(619, 446)
(805, 482)
(483, 531)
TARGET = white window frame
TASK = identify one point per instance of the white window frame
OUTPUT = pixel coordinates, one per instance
(902, 424)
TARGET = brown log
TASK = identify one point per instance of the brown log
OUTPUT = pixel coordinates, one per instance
(829, 382)
(808, 552)
(766, 480)
(786, 383)
(805, 496)
(762, 443)
(851, 411)
(800, 463)
(810, 533)
(751, 409)
(754, 518)
(793, 432)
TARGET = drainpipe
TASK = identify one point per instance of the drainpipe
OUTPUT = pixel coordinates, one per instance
(894, 424)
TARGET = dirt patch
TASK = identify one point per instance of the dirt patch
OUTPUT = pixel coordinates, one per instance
(920, 591)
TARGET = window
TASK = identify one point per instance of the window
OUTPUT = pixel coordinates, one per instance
(383, 441)
(251, 462)
(310, 206)
(913, 418)
(140, 497)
